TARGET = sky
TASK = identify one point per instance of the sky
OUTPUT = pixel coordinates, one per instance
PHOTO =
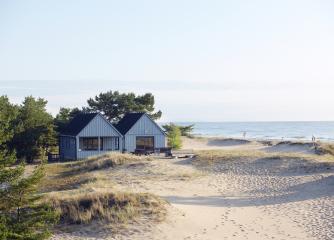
(209, 60)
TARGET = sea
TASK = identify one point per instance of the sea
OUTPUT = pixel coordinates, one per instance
(323, 131)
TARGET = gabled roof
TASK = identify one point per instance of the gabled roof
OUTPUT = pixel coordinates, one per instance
(127, 122)
(130, 119)
(78, 123)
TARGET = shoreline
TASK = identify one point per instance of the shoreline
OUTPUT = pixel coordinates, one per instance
(259, 139)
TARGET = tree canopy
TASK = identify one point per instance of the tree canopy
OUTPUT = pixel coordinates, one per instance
(34, 129)
(185, 130)
(64, 116)
(115, 104)
(21, 217)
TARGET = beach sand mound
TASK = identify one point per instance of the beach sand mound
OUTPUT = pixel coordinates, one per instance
(289, 146)
(227, 142)
(199, 143)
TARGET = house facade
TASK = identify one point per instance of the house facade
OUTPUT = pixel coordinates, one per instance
(140, 132)
(88, 135)
(92, 134)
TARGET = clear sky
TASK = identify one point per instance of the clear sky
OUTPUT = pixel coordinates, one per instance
(203, 60)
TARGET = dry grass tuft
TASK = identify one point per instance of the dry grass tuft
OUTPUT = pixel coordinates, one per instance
(325, 148)
(60, 177)
(214, 156)
(108, 207)
(74, 190)
(106, 161)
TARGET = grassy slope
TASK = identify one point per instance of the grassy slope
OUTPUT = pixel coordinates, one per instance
(69, 187)
(212, 156)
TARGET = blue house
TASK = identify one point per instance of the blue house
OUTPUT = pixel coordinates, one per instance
(140, 132)
(92, 134)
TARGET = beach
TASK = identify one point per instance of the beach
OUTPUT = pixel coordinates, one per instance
(254, 191)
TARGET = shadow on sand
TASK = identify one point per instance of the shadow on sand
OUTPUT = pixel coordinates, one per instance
(300, 192)
(227, 142)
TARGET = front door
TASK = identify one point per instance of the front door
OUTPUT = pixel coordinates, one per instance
(146, 143)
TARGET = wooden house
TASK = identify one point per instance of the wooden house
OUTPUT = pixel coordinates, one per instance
(92, 134)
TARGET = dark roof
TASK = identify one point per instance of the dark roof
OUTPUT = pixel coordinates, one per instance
(78, 123)
(127, 122)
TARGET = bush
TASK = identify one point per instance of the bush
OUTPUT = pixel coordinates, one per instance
(174, 137)
(185, 130)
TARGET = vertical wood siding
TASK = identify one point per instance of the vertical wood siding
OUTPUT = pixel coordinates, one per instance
(144, 127)
(98, 127)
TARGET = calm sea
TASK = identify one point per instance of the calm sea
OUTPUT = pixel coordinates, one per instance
(266, 130)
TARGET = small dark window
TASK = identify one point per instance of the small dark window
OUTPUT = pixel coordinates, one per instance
(101, 144)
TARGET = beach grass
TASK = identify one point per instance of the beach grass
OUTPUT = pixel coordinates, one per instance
(214, 156)
(106, 161)
(326, 148)
(111, 207)
(81, 192)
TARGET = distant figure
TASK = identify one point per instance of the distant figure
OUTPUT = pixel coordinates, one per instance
(244, 134)
(313, 139)
(314, 143)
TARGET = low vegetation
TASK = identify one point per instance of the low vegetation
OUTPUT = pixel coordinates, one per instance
(81, 193)
(174, 133)
(60, 177)
(105, 161)
(214, 156)
(174, 138)
(325, 148)
(111, 207)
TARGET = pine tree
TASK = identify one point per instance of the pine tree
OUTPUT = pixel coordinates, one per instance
(22, 215)
(34, 130)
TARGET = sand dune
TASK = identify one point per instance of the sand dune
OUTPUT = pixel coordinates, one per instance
(218, 143)
(255, 198)
(299, 147)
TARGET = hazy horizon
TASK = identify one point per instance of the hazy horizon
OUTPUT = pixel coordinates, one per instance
(212, 61)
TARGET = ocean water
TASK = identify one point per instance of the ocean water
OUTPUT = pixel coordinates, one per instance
(266, 130)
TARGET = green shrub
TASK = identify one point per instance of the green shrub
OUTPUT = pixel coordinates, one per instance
(174, 137)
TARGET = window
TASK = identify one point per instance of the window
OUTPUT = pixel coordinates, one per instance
(145, 142)
(116, 143)
(101, 144)
(110, 143)
(89, 143)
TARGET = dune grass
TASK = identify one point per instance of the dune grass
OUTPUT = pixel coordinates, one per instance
(61, 177)
(74, 190)
(106, 161)
(214, 156)
(326, 148)
(110, 207)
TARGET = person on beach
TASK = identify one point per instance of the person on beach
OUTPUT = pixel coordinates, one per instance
(314, 143)
(313, 138)
(244, 134)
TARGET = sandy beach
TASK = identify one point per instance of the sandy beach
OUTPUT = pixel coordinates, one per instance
(286, 197)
